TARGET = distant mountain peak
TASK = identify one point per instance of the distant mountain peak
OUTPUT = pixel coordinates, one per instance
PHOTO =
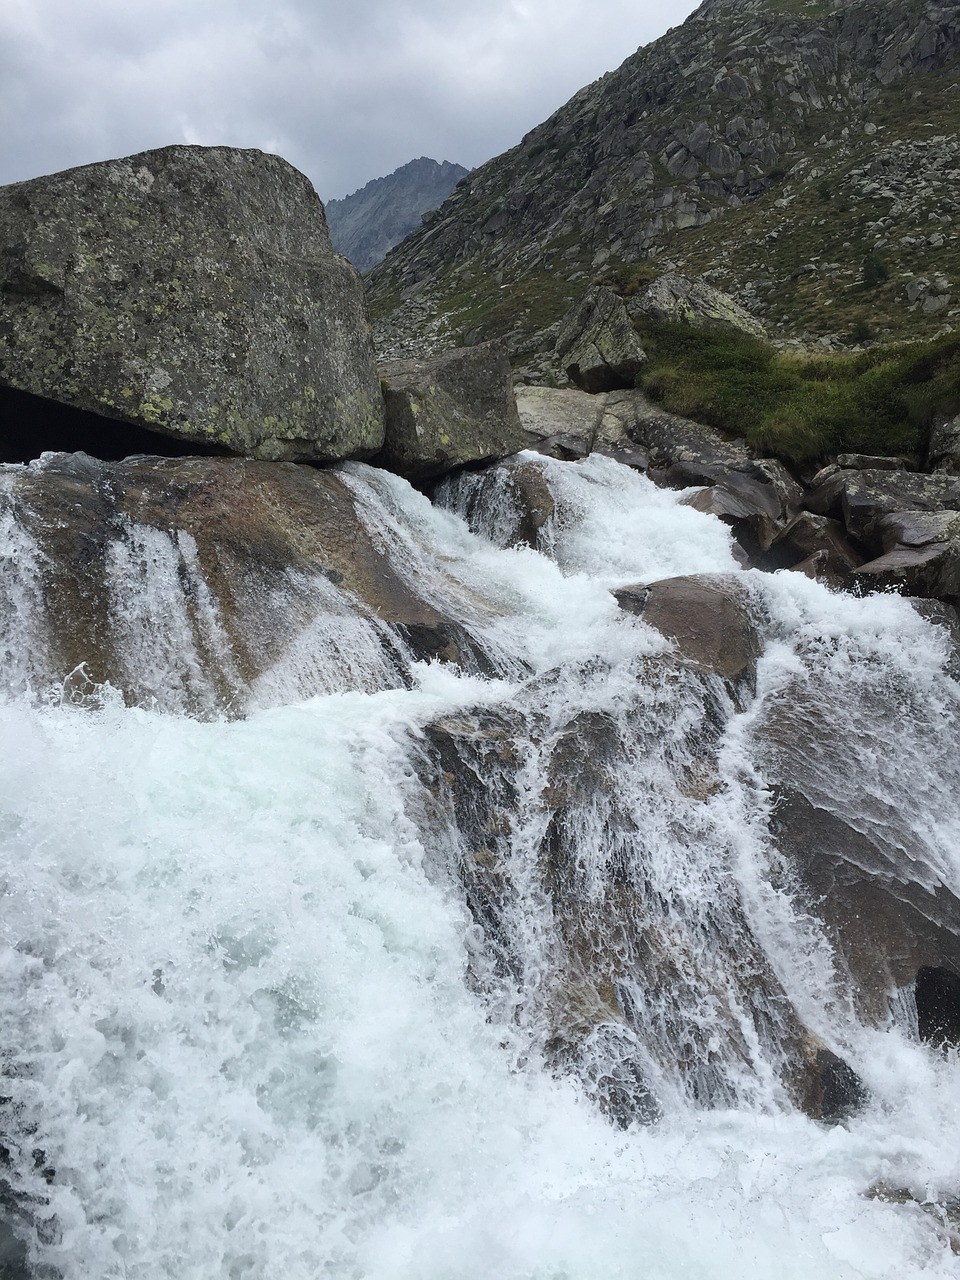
(366, 225)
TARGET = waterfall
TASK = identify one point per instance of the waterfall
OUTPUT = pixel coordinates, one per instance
(321, 959)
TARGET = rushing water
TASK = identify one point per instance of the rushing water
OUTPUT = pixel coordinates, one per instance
(251, 1028)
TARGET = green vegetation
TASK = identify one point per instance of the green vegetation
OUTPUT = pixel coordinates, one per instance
(802, 407)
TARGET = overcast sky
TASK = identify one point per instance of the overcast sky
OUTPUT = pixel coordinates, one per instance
(347, 90)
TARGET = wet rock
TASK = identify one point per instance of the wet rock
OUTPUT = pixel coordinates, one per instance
(510, 503)
(937, 995)
(597, 346)
(867, 496)
(708, 616)
(815, 545)
(828, 1087)
(756, 496)
(688, 300)
(560, 422)
(759, 502)
(921, 555)
(448, 411)
(190, 291)
(944, 1210)
(196, 583)
(884, 925)
(624, 969)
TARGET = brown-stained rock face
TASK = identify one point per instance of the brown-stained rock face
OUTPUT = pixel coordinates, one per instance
(709, 618)
(612, 971)
(190, 291)
(196, 582)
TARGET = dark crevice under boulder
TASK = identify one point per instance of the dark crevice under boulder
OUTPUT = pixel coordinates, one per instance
(32, 425)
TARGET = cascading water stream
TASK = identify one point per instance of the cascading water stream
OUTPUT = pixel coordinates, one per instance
(424, 974)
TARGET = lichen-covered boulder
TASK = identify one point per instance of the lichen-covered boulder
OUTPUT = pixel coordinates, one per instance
(688, 300)
(448, 411)
(192, 291)
(597, 346)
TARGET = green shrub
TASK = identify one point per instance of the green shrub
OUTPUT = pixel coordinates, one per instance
(802, 407)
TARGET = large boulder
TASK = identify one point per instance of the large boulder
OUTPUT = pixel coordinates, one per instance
(864, 497)
(448, 411)
(921, 555)
(689, 300)
(597, 346)
(191, 291)
(816, 545)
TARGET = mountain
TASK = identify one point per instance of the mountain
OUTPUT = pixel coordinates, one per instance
(803, 156)
(365, 225)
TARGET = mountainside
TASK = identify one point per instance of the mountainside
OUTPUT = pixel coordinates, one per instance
(804, 157)
(368, 223)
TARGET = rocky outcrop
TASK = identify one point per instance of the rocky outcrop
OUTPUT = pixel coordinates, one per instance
(921, 556)
(448, 411)
(676, 299)
(211, 585)
(190, 291)
(597, 346)
(366, 225)
(944, 450)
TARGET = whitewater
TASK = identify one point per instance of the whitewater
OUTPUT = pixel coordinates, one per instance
(252, 1029)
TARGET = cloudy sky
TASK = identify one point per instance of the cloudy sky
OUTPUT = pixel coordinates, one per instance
(346, 90)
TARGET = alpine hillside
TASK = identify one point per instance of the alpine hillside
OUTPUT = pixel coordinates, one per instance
(802, 156)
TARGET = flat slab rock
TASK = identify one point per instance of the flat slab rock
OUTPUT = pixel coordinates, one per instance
(559, 421)
(191, 291)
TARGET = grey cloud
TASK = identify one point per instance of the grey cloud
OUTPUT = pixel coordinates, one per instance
(344, 94)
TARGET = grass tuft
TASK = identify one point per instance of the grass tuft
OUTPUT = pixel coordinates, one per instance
(803, 407)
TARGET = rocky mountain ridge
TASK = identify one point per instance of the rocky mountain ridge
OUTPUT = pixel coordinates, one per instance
(801, 155)
(365, 225)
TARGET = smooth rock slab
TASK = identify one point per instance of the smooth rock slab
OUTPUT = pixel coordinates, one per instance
(192, 291)
(559, 421)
